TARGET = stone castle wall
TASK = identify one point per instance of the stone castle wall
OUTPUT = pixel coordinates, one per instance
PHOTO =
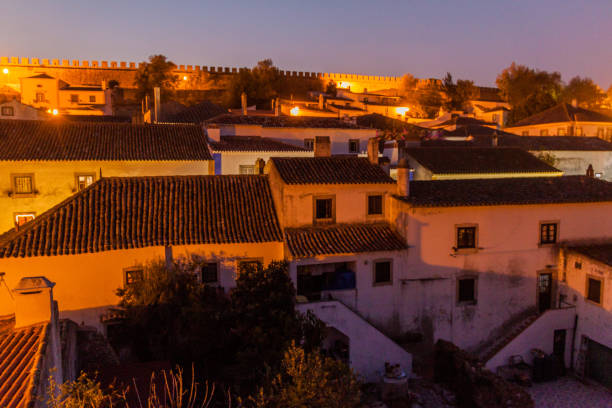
(191, 77)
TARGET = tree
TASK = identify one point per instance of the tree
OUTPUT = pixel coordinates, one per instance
(430, 101)
(84, 392)
(586, 93)
(158, 72)
(457, 94)
(309, 380)
(331, 88)
(528, 91)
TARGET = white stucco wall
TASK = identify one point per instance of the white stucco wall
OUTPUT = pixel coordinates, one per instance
(231, 161)
(577, 162)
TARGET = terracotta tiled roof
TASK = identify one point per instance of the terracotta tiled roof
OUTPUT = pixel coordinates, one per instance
(464, 121)
(95, 118)
(253, 144)
(198, 113)
(284, 121)
(509, 191)
(380, 122)
(342, 239)
(64, 141)
(136, 212)
(329, 170)
(21, 353)
(563, 113)
(533, 143)
(601, 252)
(477, 160)
(490, 94)
(42, 76)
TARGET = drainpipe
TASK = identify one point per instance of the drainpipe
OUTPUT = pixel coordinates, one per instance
(573, 342)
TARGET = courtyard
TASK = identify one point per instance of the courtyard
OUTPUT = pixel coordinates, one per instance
(568, 392)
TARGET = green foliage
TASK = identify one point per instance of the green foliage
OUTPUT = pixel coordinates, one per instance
(158, 72)
(528, 91)
(584, 91)
(331, 88)
(457, 94)
(169, 313)
(264, 82)
(84, 392)
(309, 380)
(430, 102)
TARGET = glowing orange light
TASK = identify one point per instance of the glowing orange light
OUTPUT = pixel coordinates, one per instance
(402, 110)
(5, 71)
(185, 78)
(55, 112)
(344, 85)
(295, 111)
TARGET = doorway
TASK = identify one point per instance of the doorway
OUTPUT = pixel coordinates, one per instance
(559, 348)
(544, 291)
(598, 363)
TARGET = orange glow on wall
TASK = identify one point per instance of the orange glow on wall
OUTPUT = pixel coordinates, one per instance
(295, 111)
(344, 85)
(402, 110)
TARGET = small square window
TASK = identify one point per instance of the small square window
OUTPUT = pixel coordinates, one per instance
(246, 169)
(466, 237)
(525, 133)
(578, 265)
(594, 290)
(8, 111)
(23, 184)
(544, 132)
(92, 98)
(548, 233)
(375, 205)
(74, 98)
(382, 272)
(22, 218)
(250, 263)
(578, 131)
(561, 132)
(133, 276)
(324, 209)
(466, 290)
(353, 145)
(309, 144)
(210, 273)
(600, 133)
(84, 180)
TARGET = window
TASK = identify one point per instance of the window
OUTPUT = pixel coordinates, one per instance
(84, 180)
(22, 218)
(92, 98)
(593, 289)
(382, 272)
(324, 209)
(246, 169)
(561, 132)
(8, 111)
(375, 204)
(600, 133)
(466, 290)
(250, 263)
(133, 275)
(609, 134)
(466, 237)
(23, 184)
(548, 232)
(74, 98)
(40, 97)
(309, 144)
(495, 118)
(578, 131)
(578, 265)
(210, 273)
(543, 132)
(525, 133)
(353, 145)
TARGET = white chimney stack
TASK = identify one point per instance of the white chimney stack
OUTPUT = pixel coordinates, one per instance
(214, 134)
(243, 102)
(322, 146)
(403, 178)
(33, 301)
(321, 101)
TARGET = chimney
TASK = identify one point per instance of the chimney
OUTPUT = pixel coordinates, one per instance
(214, 134)
(34, 304)
(373, 150)
(590, 172)
(575, 103)
(33, 301)
(260, 164)
(322, 146)
(321, 101)
(243, 102)
(277, 107)
(385, 164)
(403, 178)
(494, 139)
(157, 100)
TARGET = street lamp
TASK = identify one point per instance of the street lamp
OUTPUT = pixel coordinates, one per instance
(5, 71)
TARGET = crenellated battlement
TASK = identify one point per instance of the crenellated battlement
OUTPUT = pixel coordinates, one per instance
(183, 69)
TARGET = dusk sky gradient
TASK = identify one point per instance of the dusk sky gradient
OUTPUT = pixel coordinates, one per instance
(471, 39)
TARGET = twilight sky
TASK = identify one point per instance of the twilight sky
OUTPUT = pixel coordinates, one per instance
(473, 39)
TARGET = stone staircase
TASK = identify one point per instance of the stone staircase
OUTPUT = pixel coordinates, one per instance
(510, 332)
